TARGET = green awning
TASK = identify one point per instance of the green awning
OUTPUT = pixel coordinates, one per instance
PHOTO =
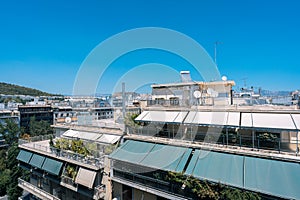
(217, 167)
(24, 156)
(274, 177)
(132, 151)
(37, 161)
(184, 160)
(52, 166)
(167, 157)
(159, 156)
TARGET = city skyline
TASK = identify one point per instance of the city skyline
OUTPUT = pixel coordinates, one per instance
(43, 44)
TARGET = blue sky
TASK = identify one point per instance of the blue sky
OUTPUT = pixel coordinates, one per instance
(43, 43)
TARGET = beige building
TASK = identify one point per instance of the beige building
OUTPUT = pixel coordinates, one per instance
(192, 93)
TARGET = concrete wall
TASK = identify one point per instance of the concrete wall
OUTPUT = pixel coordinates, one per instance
(137, 194)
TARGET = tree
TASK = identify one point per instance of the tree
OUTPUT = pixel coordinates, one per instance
(9, 170)
(37, 128)
(2, 160)
(4, 181)
(201, 189)
(12, 154)
(10, 130)
(13, 191)
(129, 120)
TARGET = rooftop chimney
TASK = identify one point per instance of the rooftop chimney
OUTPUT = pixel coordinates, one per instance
(185, 76)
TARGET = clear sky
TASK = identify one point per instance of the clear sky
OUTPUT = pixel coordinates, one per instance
(43, 43)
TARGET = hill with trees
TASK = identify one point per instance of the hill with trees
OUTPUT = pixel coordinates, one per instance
(11, 89)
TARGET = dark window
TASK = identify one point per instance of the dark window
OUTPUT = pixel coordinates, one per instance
(127, 192)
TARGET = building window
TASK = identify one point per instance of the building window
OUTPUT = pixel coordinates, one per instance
(46, 181)
(127, 192)
(174, 101)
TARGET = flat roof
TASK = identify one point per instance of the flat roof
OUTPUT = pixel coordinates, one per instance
(193, 83)
(34, 106)
(106, 128)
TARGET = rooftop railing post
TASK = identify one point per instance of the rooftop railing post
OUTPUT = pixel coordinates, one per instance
(148, 130)
(253, 139)
(279, 144)
(192, 132)
(297, 147)
(240, 138)
(173, 130)
(226, 136)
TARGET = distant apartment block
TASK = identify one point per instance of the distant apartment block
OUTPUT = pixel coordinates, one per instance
(192, 93)
(64, 114)
(39, 112)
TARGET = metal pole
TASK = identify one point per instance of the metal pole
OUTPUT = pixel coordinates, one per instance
(252, 138)
(226, 136)
(297, 148)
(173, 130)
(240, 137)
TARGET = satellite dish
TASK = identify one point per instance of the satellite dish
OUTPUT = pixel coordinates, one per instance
(224, 78)
(197, 94)
(68, 120)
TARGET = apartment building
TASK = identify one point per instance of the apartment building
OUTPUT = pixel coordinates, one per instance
(72, 167)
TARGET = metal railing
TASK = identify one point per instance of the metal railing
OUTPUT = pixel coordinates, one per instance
(275, 144)
(90, 160)
(36, 138)
(35, 190)
(69, 181)
(151, 182)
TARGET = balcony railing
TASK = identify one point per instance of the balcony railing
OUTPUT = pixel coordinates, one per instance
(36, 138)
(35, 190)
(90, 160)
(273, 142)
(159, 185)
(69, 181)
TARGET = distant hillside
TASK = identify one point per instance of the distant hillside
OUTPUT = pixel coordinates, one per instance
(11, 89)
